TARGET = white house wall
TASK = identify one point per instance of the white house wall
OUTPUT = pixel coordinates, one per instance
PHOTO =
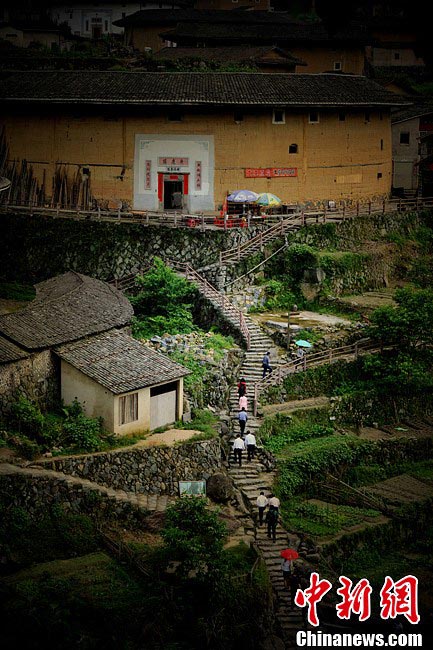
(96, 400)
(143, 422)
(79, 17)
(150, 148)
(405, 156)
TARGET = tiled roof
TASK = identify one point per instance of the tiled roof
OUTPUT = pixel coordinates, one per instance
(10, 352)
(194, 89)
(149, 17)
(66, 308)
(236, 53)
(120, 363)
(417, 110)
(281, 31)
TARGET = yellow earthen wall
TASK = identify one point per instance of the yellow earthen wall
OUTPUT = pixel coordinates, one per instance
(322, 59)
(140, 37)
(335, 159)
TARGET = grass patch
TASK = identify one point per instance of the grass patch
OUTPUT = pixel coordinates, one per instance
(202, 420)
(279, 433)
(55, 535)
(319, 520)
(368, 474)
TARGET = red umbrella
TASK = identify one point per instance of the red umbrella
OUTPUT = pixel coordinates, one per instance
(289, 554)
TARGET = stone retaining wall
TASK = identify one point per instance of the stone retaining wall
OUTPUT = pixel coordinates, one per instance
(103, 250)
(36, 494)
(144, 470)
(36, 377)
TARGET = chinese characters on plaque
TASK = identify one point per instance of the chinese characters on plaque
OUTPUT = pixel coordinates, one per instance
(198, 175)
(173, 162)
(147, 181)
(271, 172)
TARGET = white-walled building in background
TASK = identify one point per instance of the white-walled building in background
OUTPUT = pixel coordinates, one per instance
(95, 19)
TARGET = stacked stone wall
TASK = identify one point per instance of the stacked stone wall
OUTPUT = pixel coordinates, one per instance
(144, 470)
(36, 377)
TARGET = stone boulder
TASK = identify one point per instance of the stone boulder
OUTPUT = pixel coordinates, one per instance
(219, 488)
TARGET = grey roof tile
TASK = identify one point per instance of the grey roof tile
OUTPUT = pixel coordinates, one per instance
(194, 89)
(66, 308)
(9, 352)
(120, 363)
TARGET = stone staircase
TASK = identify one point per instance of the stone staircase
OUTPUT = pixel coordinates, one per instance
(142, 502)
(252, 371)
(250, 479)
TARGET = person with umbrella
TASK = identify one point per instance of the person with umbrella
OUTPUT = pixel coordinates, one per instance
(288, 555)
(300, 352)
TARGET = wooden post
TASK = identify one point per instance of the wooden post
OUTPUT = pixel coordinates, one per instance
(369, 207)
(357, 208)
(225, 221)
(288, 327)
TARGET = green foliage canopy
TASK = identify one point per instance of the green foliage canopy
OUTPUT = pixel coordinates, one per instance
(194, 536)
(407, 325)
(163, 303)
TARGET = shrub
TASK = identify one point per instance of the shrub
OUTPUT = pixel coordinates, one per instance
(26, 417)
(84, 433)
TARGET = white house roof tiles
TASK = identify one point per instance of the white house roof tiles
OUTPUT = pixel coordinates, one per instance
(120, 363)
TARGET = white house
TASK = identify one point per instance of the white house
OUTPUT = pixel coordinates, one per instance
(132, 387)
(95, 19)
(72, 342)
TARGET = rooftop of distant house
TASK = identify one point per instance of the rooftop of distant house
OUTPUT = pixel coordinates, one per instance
(235, 54)
(419, 109)
(66, 308)
(194, 89)
(257, 32)
(120, 363)
(239, 16)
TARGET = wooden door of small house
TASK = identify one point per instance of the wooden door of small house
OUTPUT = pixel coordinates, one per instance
(163, 401)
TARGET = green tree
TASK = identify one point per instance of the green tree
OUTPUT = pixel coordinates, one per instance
(194, 536)
(163, 303)
(409, 324)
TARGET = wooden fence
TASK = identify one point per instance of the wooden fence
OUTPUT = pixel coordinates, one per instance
(321, 214)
